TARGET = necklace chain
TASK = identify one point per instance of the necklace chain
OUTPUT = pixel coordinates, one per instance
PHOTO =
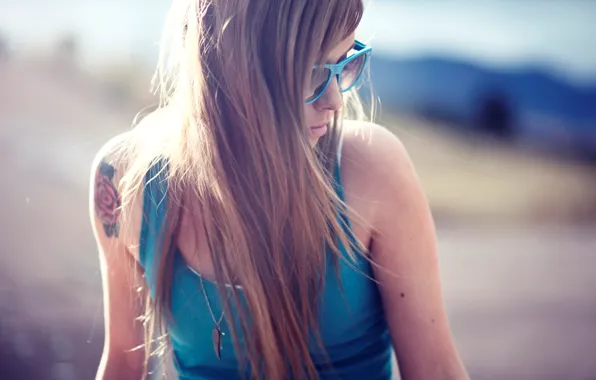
(216, 333)
(217, 322)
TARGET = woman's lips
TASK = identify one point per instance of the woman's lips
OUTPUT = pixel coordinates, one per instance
(318, 130)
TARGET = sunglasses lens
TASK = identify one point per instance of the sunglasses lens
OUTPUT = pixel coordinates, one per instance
(318, 81)
(352, 71)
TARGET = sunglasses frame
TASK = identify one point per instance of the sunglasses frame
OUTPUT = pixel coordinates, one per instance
(338, 68)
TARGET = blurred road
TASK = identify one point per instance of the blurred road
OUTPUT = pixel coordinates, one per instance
(520, 298)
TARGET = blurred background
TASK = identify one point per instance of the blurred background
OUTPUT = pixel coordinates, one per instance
(495, 101)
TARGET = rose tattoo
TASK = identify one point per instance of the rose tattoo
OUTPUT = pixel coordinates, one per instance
(107, 200)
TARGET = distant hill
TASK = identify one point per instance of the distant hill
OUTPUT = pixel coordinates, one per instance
(455, 88)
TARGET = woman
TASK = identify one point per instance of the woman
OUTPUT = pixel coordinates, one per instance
(268, 238)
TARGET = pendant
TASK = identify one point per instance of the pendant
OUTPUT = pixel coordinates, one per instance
(216, 335)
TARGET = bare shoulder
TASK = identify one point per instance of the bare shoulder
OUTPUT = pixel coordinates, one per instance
(115, 210)
(110, 153)
(377, 170)
(105, 199)
(373, 145)
(116, 152)
(375, 155)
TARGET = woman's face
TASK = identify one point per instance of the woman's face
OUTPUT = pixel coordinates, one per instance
(319, 114)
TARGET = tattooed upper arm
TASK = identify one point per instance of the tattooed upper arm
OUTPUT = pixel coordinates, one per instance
(105, 202)
(115, 218)
(122, 281)
(106, 199)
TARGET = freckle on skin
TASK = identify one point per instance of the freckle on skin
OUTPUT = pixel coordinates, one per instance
(403, 295)
(433, 321)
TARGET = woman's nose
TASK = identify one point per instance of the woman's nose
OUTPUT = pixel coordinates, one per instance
(331, 99)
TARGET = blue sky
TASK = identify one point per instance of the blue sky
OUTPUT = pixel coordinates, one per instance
(560, 35)
(555, 34)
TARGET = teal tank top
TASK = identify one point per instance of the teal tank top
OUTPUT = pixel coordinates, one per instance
(352, 324)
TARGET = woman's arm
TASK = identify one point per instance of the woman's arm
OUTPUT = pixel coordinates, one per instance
(123, 288)
(404, 246)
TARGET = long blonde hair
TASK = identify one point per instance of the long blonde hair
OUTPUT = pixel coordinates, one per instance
(231, 76)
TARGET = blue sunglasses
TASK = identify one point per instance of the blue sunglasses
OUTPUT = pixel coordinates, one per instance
(347, 72)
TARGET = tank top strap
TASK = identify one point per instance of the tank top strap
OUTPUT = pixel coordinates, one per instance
(155, 201)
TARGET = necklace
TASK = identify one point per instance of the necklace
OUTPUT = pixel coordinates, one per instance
(216, 333)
